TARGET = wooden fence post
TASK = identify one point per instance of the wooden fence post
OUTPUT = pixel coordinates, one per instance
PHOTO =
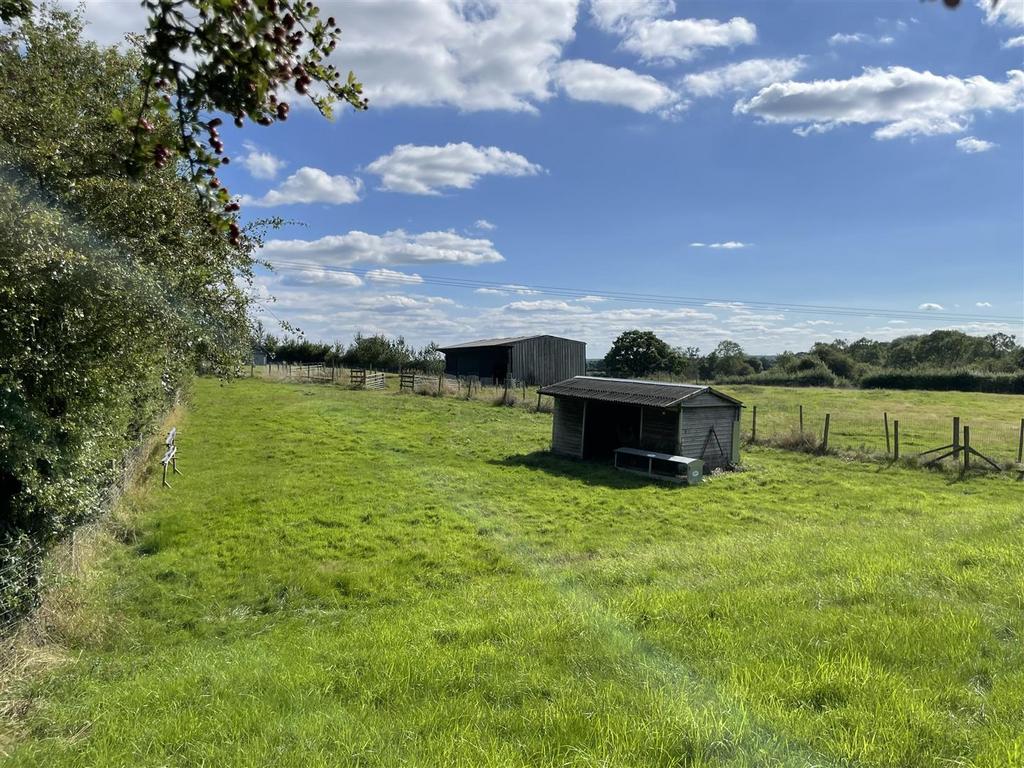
(967, 448)
(538, 405)
(885, 420)
(896, 440)
(801, 421)
(753, 427)
(1020, 444)
(824, 438)
(956, 438)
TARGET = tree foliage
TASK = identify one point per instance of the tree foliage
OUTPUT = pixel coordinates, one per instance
(639, 353)
(378, 352)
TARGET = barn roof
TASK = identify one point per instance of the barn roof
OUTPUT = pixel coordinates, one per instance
(504, 342)
(659, 394)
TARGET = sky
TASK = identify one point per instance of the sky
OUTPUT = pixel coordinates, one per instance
(772, 172)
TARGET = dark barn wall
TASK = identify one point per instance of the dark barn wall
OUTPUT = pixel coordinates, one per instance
(546, 359)
(485, 362)
(537, 362)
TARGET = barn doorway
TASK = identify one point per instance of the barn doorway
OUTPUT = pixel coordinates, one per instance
(609, 426)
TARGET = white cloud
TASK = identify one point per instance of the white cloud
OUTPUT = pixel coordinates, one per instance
(728, 245)
(472, 56)
(929, 306)
(316, 275)
(1014, 42)
(590, 299)
(983, 304)
(485, 225)
(108, 22)
(589, 81)
(1009, 13)
(310, 185)
(391, 276)
(905, 102)
(683, 39)
(973, 146)
(842, 38)
(395, 247)
(506, 290)
(742, 76)
(262, 165)
(543, 305)
(425, 170)
(619, 15)
(646, 32)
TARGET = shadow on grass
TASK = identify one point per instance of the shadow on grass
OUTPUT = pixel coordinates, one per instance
(591, 472)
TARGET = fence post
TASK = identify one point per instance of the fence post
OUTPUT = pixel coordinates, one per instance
(440, 378)
(801, 421)
(753, 427)
(1020, 444)
(538, 407)
(885, 420)
(896, 440)
(956, 438)
(824, 439)
(967, 448)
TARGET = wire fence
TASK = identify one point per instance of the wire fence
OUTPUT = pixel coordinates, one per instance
(24, 568)
(510, 392)
(873, 432)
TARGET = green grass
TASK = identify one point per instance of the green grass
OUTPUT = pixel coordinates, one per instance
(370, 579)
(857, 417)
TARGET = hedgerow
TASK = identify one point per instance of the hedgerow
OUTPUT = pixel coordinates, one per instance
(113, 287)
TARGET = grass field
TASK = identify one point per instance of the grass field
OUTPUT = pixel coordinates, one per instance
(857, 417)
(371, 579)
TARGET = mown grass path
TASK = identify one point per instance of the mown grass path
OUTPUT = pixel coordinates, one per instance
(373, 579)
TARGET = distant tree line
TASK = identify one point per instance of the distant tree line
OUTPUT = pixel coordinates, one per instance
(377, 352)
(941, 359)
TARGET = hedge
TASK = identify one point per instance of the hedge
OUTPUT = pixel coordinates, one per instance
(961, 381)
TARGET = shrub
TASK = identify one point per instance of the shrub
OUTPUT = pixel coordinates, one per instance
(818, 376)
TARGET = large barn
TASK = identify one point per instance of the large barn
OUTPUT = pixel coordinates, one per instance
(594, 416)
(534, 360)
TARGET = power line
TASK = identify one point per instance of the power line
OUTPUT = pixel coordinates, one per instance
(688, 302)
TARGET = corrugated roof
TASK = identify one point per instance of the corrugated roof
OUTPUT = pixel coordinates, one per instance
(658, 394)
(506, 342)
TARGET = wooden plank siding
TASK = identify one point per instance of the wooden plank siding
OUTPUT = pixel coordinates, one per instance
(544, 360)
(567, 427)
(695, 426)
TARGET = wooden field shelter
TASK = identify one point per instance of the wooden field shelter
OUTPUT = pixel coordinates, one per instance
(594, 416)
(530, 360)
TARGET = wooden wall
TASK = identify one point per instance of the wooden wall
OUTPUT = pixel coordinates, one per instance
(567, 427)
(546, 359)
(696, 425)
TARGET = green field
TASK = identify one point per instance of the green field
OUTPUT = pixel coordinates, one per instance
(857, 421)
(351, 578)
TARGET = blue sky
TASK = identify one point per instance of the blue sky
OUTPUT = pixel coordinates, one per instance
(854, 154)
